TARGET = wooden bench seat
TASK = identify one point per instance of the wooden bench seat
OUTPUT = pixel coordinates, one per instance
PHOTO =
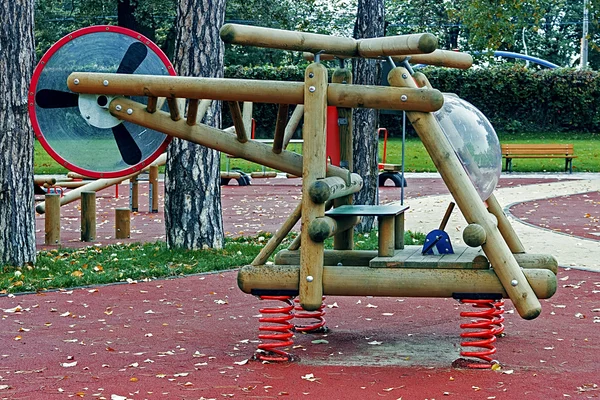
(510, 151)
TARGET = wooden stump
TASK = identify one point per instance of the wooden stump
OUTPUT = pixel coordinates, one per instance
(52, 219)
(122, 223)
(88, 216)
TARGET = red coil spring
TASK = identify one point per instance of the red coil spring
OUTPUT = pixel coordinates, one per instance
(279, 334)
(317, 326)
(488, 326)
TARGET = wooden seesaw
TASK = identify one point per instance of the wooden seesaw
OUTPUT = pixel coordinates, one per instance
(493, 267)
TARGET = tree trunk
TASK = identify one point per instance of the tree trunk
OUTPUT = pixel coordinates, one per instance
(127, 18)
(192, 175)
(370, 23)
(17, 57)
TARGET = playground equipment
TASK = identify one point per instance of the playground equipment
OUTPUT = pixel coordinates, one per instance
(465, 154)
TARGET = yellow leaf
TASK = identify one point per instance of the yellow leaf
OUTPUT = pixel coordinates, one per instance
(133, 379)
(77, 274)
(18, 337)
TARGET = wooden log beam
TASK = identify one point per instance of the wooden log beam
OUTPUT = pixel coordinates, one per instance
(339, 95)
(334, 187)
(325, 227)
(392, 282)
(301, 41)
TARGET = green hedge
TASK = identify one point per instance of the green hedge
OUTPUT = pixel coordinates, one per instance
(514, 99)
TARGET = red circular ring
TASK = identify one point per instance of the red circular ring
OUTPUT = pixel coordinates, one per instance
(31, 100)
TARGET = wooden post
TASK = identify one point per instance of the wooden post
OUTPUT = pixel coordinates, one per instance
(122, 223)
(399, 231)
(174, 108)
(278, 237)
(313, 168)
(192, 112)
(151, 106)
(450, 168)
(153, 178)
(344, 240)
(88, 216)
(134, 192)
(247, 116)
(282, 117)
(292, 124)
(238, 122)
(52, 219)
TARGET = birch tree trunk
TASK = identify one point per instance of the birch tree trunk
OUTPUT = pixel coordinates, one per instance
(193, 213)
(17, 57)
(370, 22)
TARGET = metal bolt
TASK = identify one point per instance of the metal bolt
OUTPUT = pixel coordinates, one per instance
(514, 282)
(312, 89)
(105, 83)
(118, 107)
(404, 76)
(129, 111)
(309, 278)
(404, 97)
(76, 81)
(311, 75)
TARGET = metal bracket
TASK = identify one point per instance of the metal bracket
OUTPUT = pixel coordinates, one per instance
(342, 121)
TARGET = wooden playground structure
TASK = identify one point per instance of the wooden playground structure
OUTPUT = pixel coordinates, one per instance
(492, 266)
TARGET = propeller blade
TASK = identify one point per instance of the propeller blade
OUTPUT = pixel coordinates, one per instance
(135, 54)
(128, 148)
(49, 98)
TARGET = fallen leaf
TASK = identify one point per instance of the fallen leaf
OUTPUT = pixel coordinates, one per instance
(68, 365)
(243, 362)
(310, 378)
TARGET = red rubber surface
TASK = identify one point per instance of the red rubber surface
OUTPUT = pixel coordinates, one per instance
(189, 338)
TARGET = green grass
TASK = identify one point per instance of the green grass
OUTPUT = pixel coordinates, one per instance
(587, 150)
(92, 265)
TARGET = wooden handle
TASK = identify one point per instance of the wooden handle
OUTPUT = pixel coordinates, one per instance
(447, 215)
(397, 45)
(440, 58)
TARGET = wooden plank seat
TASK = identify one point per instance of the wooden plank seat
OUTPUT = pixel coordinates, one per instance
(560, 150)
(390, 223)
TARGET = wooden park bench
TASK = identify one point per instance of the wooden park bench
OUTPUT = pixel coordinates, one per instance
(510, 151)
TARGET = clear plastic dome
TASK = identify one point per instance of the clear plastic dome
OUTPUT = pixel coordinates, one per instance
(474, 141)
